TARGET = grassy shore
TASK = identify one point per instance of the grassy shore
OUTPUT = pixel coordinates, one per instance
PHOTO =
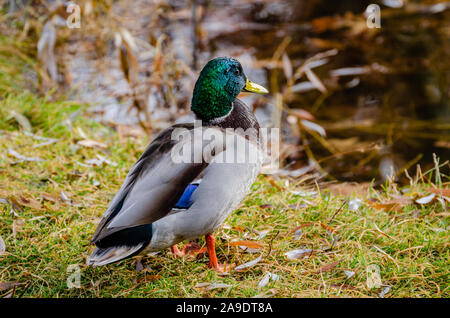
(56, 182)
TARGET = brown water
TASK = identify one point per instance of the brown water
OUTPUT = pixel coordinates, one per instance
(401, 106)
(393, 114)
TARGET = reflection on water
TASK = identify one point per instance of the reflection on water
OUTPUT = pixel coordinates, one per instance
(400, 104)
(386, 105)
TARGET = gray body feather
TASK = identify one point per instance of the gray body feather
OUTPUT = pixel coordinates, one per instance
(156, 182)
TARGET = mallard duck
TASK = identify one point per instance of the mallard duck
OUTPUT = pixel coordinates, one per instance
(164, 201)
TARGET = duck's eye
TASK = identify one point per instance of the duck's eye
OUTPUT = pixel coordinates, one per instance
(237, 72)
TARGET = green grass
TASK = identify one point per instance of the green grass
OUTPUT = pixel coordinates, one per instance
(46, 237)
(43, 236)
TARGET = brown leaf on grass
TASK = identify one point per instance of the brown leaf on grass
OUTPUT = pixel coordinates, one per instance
(89, 143)
(248, 244)
(194, 250)
(149, 278)
(238, 228)
(49, 197)
(248, 264)
(274, 184)
(391, 205)
(7, 285)
(299, 253)
(266, 206)
(326, 227)
(307, 224)
(328, 267)
(26, 202)
(427, 199)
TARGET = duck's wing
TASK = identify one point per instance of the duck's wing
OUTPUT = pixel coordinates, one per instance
(154, 184)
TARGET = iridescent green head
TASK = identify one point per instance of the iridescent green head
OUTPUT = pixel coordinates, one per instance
(219, 83)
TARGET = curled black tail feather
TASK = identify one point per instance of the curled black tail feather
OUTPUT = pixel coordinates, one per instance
(121, 245)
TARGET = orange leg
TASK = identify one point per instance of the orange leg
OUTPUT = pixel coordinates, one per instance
(210, 241)
(213, 263)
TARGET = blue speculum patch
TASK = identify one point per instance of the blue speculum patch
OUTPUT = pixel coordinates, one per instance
(185, 201)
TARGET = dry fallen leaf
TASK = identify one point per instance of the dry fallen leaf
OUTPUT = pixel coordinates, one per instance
(17, 225)
(65, 198)
(328, 267)
(444, 192)
(262, 234)
(238, 228)
(299, 253)
(392, 205)
(287, 66)
(349, 274)
(301, 114)
(139, 266)
(385, 291)
(92, 144)
(97, 162)
(267, 277)
(21, 120)
(307, 224)
(49, 197)
(427, 199)
(298, 234)
(193, 250)
(269, 293)
(328, 228)
(17, 155)
(264, 281)
(354, 204)
(313, 78)
(248, 264)
(249, 244)
(218, 285)
(28, 202)
(149, 278)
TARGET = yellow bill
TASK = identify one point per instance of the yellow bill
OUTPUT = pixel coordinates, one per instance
(255, 88)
